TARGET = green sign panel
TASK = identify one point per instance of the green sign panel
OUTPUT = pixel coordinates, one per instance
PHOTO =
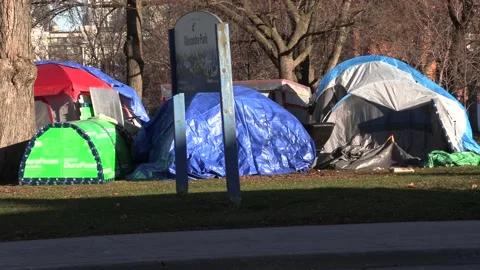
(73, 159)
(86, 151)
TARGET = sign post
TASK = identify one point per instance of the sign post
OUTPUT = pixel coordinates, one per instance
(200, 62)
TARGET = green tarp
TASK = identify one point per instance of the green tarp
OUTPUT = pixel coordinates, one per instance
(80, 152)
(443, 159)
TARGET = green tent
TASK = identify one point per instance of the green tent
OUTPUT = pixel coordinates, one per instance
(91, 151)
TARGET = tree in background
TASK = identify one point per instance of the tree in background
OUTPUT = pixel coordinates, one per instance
(17, 75)
(157, 20)
(461, 13)
(286, 30)
(133, 46)
(303, 39)
(428, 40)
(249, 61)
(102, 41)
(103, 32)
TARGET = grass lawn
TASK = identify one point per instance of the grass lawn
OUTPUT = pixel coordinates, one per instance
(326, 197)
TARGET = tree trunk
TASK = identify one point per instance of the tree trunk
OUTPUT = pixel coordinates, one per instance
(286, 67)
(457, 55)
(304, 72)
(460, 16)
(341, 36)
(17, 75)
(133, 46)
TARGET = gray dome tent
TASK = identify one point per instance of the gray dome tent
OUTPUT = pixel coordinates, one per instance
(372, 98)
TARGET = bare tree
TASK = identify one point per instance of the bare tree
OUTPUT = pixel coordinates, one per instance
(157, 21)
(285, 31)
(17, 74)
(133, 43)
(249, 61)
(437, 37)
(133, 46)
(461, 13)
(103, 30)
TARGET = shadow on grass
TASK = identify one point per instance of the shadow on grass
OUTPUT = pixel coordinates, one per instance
(44, 218)
(10, 157)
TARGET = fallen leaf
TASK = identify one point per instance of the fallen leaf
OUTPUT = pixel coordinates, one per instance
(474, 186)
(115, 194)
(411, 185)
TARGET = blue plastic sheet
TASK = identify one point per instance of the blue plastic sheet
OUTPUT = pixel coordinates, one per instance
(134, 103)
(270, 139)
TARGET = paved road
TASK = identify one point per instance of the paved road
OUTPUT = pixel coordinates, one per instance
(307, 247)
(431, 267)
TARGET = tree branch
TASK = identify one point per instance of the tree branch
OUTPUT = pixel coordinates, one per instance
(259, 36)
(451, 13)
(302, 27)
(301, 30)
(302, 56)
(467, 12)
(292, 11)
(271, 31)
(109, 4)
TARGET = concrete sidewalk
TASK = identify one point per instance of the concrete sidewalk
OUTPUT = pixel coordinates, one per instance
(305, 247)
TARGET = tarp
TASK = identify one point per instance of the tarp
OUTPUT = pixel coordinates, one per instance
(378, 96)
(270, 139)
(445, 159)
(54, 79)
(367, 156)
(134, 102)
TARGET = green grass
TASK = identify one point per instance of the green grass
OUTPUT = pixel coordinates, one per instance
(327, 197)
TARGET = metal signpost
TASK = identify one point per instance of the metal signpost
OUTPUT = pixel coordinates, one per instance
(200, 62)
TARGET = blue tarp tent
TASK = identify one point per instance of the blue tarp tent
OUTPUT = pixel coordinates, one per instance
(134, 102)
(270, 139)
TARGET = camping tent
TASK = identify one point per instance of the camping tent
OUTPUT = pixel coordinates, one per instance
(80, 152)
(59, 85)
(371, 98)
(270, 139)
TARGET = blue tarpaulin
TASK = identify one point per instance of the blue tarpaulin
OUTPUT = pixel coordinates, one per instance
(134, 103)
(270, 139)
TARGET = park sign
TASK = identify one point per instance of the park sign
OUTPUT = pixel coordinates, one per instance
(196, 53)
(200, 62)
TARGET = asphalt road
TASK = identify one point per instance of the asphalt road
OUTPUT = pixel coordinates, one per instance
(432, 267)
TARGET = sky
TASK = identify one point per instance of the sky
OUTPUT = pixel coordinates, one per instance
(64, 21)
